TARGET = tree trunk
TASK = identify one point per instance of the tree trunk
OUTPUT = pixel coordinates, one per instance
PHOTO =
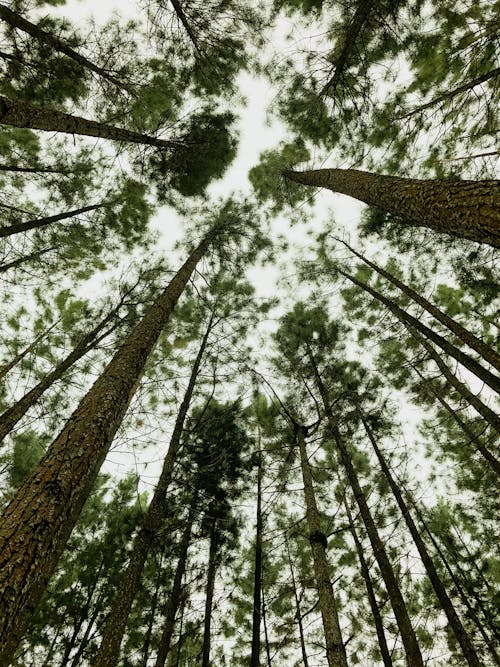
(466, 209)
(257, 582)
(19, 357)
(264, 623)
(335, 649)
(475, 343)
(22, 114)
(408, 637)
(83, 643)
(32, 170)
(175, 594)
(185, 23)
(468, 362)
(25, 258)
(365, 573)
(212, 568)
(43, 222)
(445, 602)
(486, 413)
(17, 21)
(116, 623)
(16, 412)
(152, 614)
(39, 520)
(474, 439)
(354, 28)
(450, 94)
(298, 612)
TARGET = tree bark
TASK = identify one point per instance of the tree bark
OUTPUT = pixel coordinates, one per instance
(365, 573)
(475, 343)
(257, 582)
(474, 439)
(109, 650)
(16, 412)
(175, 594)
(465, 209)
(39, 520)
(486, 413)
(212, 568)
(450, 94)
(43, 222)
(22, 114)
(445, 602)
(335, 649)
(408, 637)
(15, 20)
(298, 612)
(468, 362)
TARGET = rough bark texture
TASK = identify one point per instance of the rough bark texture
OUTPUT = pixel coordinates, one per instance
(37, 523)
(486, 413)
(466, 209)
(475, 343)
(212, 568)
(43, 222)
(257, 581)
(17, 21)
(468, 362)
(365, 573)
(445, 602)
(175, 594)
(22, 114)
(335, 650)
(16, 412)
(109, 650)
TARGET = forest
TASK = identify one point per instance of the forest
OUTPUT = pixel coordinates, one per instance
(249, 333)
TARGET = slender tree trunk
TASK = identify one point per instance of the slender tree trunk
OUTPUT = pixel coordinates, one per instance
(466, 209)
(257, 582)
(445, 602)
(212, 568)
(468, 362)
(355, 27)
(335, 649)
(112, 636)
(39, 520)
(365, 573)
(475, 343)
(185, 23)
(486, 413)
(17, 21)
(19, 357)
(152, 613)
(264, 622)
(22, 114)
(298, 612)
(25, 258)
(408, 637)
(48, 658)
(474, 439)
(181, 636)
(19, 227)
(83, 643)
(450, 94)
(32, 170)
(175, 595)
(16, 412)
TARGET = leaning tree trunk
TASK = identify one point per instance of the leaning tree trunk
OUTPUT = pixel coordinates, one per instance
(468, 362)
(209, 600)
(335, 649)
(175, 594)
(365, 573)
(19, 357)
(475, 343)
(25, 258)
(38, 522)
(22, 114)
(445, 602)
(408, 637)
(109, 650)
(257, 580)
(486, 413)
(19, 227)
(17, 21)
(466, 209)
(16, 412)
